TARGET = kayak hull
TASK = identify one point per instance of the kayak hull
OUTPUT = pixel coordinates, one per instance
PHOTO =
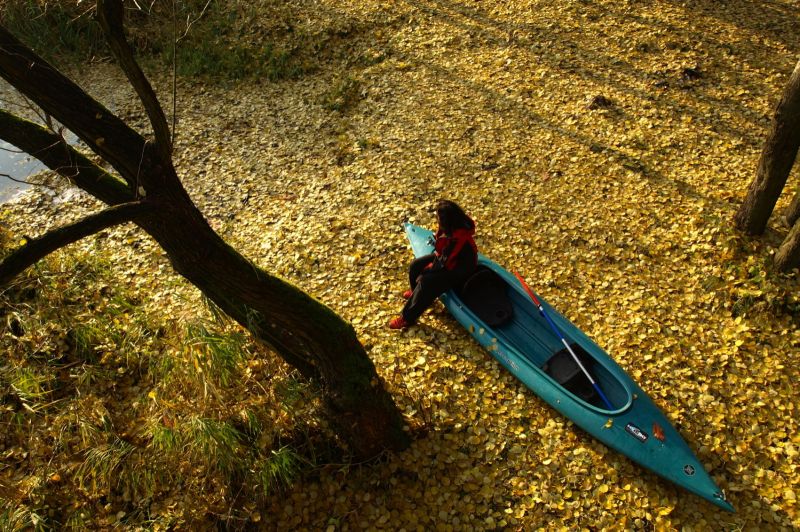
(524, 345)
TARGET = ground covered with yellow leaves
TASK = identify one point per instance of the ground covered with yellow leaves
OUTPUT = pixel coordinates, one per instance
(602, 148)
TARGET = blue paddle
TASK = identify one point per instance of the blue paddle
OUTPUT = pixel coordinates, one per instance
(563, 341)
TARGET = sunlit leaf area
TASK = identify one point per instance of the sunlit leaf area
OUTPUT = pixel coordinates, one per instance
(602, 147)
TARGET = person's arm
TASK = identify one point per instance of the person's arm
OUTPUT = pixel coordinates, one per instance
(442, 258)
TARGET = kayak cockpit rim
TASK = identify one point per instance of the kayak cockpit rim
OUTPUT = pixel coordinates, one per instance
(622, 397)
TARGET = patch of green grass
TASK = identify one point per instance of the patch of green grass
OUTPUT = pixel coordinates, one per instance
(142, 479)
(29, 386)
(16, 518)
(78, 520)
(253, 425)
(86, 429)
(87, 377)
(121, 465)
(104, 463)
(112, 463)
(216, 443)
(84, 338)
(278, 470)
(218, 316)
(292, 393)
(73, 341)
(220, 45)
(161, 367)
(218, 354)
(221, 58)
(116, 320)
(55, 29)
(343, 95)
(216, 44)
(164, 439)
(142, 518)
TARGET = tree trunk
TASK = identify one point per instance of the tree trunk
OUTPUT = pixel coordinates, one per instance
(788, 256)
(793, 212)
(775, 163)
(303, 331)
(306, 333)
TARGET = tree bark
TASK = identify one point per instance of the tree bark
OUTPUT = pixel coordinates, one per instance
(306, 333)
(111, 15)
(793, 212)
(775, 163)
(303, 331)
(788, 256)
(38, 248)
(62, 158)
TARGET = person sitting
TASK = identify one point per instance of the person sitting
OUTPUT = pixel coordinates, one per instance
(454, 259)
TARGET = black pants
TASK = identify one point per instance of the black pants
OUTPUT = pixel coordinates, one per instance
(427, 285)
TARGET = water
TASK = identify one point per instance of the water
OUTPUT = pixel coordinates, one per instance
(17, 165)
(20, 166)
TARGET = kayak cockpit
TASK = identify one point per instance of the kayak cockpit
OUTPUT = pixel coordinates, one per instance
(496, 301)
(562, 368)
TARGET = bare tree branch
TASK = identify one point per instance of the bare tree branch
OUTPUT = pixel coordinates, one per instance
(37, 248)
(60, 97)
(190, 23)
(110, 14)
(86, 12)
(24, 182)
(60, 157)
(175, 41)
(174, 71)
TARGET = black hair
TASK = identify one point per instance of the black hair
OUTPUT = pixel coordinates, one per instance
(452, 217)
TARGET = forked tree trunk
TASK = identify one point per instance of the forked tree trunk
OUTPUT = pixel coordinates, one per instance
(303, 331)
(775, 163)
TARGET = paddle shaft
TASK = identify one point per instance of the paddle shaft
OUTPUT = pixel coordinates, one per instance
(563, 340)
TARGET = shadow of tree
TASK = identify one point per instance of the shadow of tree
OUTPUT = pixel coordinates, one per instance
(770, 19)
(575, 60)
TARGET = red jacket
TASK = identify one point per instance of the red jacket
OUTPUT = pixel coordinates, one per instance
(448, 248)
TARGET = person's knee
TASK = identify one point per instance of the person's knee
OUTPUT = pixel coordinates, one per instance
(426, 280)
(432, 284)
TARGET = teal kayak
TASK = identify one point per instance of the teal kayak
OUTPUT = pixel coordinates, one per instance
(495, 308)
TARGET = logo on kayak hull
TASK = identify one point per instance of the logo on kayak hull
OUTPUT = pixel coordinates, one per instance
(636, 432)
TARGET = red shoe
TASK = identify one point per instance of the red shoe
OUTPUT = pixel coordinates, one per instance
(407, 294)
(398, 323)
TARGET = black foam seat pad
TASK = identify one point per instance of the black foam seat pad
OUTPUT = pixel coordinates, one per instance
(486, 294)
(565, 371)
